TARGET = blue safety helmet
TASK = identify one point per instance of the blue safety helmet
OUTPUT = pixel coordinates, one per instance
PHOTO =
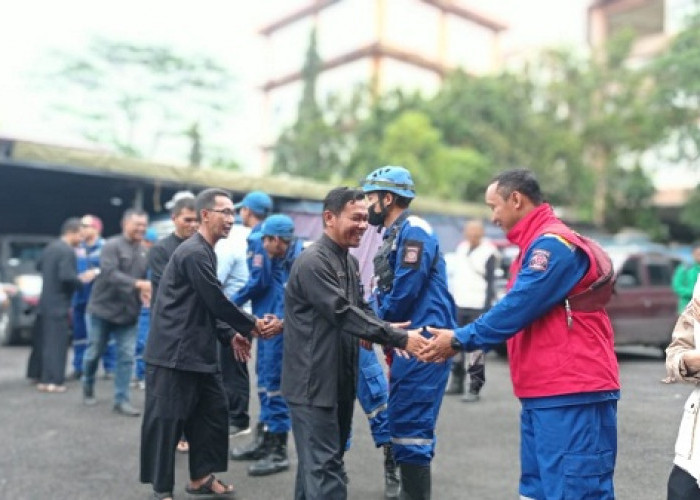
(278, 225)
(396, 180)
(257, 201)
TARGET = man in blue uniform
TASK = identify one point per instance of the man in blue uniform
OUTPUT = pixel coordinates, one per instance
(254, 209)
(88, 256)
(372, 385)
(282, 248)
(411, 286)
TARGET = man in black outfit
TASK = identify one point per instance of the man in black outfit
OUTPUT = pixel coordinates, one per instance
(184, 218)
(59, 271)
(184, 388)
(325, 315)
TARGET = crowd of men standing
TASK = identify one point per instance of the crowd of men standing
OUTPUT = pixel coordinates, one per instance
(202, 295)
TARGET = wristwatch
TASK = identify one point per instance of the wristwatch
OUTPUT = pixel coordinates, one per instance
(455, 344)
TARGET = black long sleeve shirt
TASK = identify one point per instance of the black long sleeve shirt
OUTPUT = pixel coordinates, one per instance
(184, 326)
(158, 257)
(325, 313)
(59, 272)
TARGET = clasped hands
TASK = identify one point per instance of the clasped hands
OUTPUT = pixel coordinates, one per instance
(266, 327)
(436, 349)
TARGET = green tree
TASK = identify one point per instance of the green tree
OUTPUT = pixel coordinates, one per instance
(309, 147)
(677, 96)
(602, 102)
(133, 98)
(439, 170)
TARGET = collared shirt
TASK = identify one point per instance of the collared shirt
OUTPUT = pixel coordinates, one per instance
(114, 296)
(188, 312)
(232, 268)
(325, 312)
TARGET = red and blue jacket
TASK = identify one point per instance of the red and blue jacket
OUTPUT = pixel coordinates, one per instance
(566, 357)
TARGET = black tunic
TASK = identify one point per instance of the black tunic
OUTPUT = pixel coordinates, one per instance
(184, 324)
(325, 312)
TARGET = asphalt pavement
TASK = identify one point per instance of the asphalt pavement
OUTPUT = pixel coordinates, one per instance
(54, 447)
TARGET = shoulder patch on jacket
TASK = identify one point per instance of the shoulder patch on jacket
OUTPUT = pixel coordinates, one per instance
(539, 260)
(412, 254)
(257, 260)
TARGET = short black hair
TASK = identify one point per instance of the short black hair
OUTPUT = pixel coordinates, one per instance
(207, 199)
(337, 198)
(133, 212)
(71, 225)
(522, 180)
(182, 204)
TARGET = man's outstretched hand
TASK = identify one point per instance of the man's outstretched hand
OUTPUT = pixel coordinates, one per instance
(415, 344)
(439, 348)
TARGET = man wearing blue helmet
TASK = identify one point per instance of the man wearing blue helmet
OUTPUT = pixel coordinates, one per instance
(253, 210)
(411, 284)
(282, 249)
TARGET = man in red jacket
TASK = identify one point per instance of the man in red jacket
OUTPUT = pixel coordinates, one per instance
(562, 361)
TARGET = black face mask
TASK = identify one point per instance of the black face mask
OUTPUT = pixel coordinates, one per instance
(374, 218)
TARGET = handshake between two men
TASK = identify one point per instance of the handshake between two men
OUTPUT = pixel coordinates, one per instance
(265, 327)
(437, 349)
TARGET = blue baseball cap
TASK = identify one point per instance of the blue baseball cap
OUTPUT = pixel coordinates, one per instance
(257, 201)
(278, 225)
(151, 235)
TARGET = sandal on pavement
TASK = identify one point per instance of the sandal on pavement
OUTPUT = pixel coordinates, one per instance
(206, 489)
(56, 388)
(162, 496)
(183, 446)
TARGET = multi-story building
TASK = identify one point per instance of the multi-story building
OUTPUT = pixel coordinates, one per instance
(653, 21)
(385, 43)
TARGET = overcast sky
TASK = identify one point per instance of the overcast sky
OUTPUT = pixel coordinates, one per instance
(223, 29)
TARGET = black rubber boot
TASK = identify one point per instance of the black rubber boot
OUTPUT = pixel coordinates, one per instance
(392, 481)
(276, 460)
(456, 380)
(415, 482)
(256, 449)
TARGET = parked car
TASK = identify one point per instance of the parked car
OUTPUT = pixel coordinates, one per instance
(19, 255)
(643, 309)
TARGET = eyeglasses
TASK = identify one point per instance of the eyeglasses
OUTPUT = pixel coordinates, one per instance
(226, 212)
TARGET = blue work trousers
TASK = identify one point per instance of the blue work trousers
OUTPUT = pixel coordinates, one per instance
(141, 337)
(273, 408)
(568, 452)
(373, 395)
(415, 395)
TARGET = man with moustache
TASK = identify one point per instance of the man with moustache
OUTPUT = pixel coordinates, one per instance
(325, 315)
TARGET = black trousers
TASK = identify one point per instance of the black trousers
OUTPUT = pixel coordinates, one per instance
(320, 435)
(477, 366)
(179, 400)
(682, 486)
(237, 385)
(51, 338)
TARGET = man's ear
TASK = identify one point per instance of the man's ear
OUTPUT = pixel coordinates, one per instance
(328, 218)
(517, 199)
(388, 198)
